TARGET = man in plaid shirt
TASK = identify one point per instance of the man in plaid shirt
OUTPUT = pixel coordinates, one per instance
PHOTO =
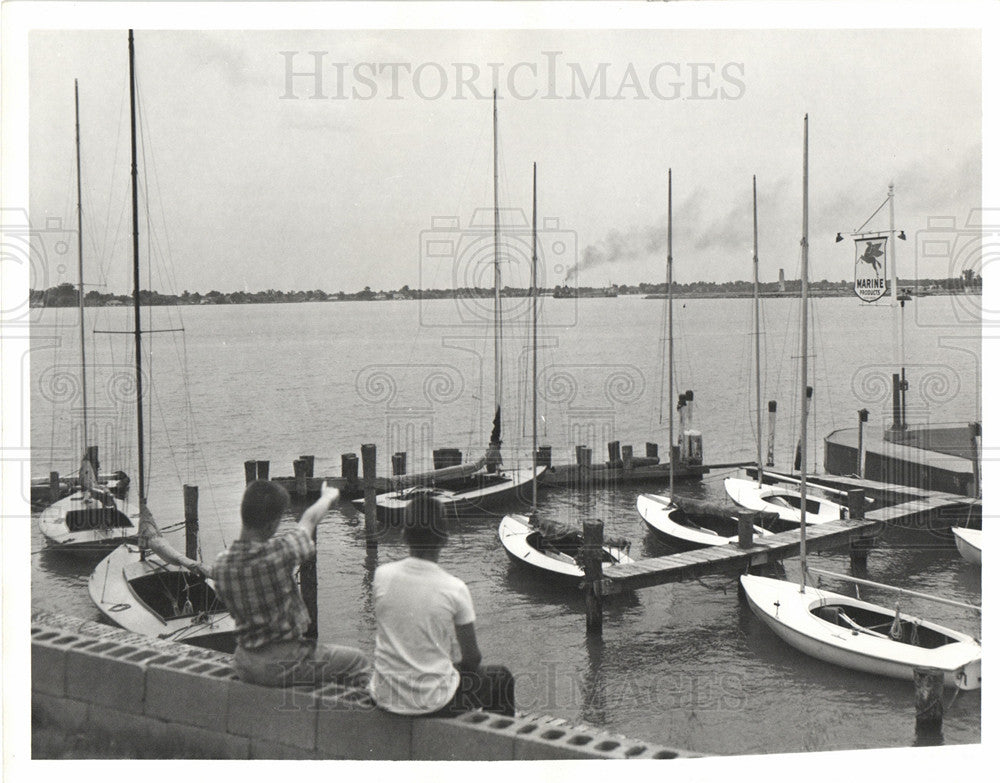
(256, 579)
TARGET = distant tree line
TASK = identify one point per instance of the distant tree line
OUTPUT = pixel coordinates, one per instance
(66, 294)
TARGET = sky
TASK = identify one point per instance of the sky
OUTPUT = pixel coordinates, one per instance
(254, 181)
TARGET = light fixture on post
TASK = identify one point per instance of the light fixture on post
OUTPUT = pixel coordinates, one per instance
(840, 237)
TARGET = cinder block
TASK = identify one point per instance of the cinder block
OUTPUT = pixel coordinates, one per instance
(358, 731)
(48, 669)
(285, 715)
(126, 728)
(96, 676)
(180, 696)
(67, 714)
(262, 749)
(440, 739)
(554, 742)
(174, 740)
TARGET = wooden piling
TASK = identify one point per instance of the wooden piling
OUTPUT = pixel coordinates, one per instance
(544, 456)
(859, 547)
(301, 480)
(975, 430)
(368, 471)
(92, 458)
(309, 464)
(586, 456)
(590, 556)
(191, 521)
(747, 519)
(862, 418)
(614, 454)
(627, 457)
(349, 466)
(250, 470)
(263, 469)
(652, 450)
(399, 463)
(929, 688)
(54, 491)
(855, 504)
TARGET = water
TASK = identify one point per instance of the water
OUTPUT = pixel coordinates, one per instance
(685, 665)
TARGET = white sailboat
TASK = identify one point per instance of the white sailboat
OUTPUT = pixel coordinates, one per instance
(839, 629)
(551, 549)
(89, 518)
(144, 587)
(487, 484)
(754, 494)
(970, 543)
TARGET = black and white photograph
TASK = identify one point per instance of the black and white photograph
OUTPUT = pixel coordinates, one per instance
(498, 382)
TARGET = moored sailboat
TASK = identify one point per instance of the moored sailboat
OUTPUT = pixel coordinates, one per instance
(970, 543)
(90, 516)
(840, 629)
(150, 588)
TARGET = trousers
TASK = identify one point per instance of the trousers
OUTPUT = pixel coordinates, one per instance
(301, 662)
(489, 688)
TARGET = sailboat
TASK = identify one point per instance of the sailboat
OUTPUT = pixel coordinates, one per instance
(143, 587)
(970, 543)
(839, 629)
(754, 494)
(88, 518)
(486, 484)
(546, 547)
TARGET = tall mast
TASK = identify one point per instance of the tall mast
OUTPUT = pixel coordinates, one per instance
(756, 337)
(79, 261)
(135, 275)
(534, 337)
(804, 347)
(670, 321)
(497, 325)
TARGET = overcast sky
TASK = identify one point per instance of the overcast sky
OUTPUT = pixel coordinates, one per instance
(251, 189)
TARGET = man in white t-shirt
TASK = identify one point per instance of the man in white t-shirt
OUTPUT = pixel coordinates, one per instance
(427, 659)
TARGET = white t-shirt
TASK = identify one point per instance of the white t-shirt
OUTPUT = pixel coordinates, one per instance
(417, 606)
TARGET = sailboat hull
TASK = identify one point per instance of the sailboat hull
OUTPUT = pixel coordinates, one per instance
(969, 543)
(673, 526)
(479, 492)
(150, 597)
(780, 501)
(812, 622)
(524, 545)
(82, 524)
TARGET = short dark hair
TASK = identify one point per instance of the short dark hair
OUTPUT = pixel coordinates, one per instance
(424, 525)
(263, 504)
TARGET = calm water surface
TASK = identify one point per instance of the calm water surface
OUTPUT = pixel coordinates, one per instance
(685, 665)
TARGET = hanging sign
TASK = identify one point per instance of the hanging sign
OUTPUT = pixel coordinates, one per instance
(869, 268)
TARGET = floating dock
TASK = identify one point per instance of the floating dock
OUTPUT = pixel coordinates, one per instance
(941, 459)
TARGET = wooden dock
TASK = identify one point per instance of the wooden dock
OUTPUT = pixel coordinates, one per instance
(921, 512)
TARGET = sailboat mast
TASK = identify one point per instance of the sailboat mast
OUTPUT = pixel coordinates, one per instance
(135, 274)
(534, 337)
(804, 347)
(79, 266)
(756, 337)
(670, 321)
(497, 379)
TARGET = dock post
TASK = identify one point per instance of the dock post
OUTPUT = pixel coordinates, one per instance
(263, 469)
(92, 458)
(614, 454)
(301, 482)
(310, 464)
(250, 470)
(929, 687)
(590, 555)
(862, 418)
(772, 416)
(747, 519)
(856, 504)
(652, 451)
(349, 466)
(368, 471)
(975, 430)
(896, 422)
(191, 521)
(54, 486)
(399, 463)
(859, 547)
(627, 457)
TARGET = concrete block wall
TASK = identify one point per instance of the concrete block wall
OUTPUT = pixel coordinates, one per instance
(181, 700)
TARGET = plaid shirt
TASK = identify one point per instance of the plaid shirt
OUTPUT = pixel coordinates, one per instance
(257, 582)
